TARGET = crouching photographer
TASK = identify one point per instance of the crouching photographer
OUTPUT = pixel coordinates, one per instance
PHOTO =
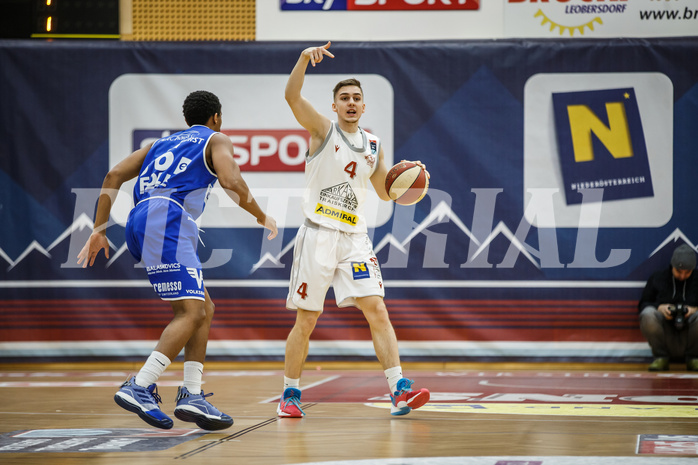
(669, 312)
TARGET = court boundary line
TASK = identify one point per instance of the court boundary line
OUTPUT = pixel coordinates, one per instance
(236, 435)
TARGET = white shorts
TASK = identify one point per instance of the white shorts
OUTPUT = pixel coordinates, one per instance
(324, 257)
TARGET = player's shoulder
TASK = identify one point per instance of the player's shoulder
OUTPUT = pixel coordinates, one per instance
(369, 133)
(371, 137)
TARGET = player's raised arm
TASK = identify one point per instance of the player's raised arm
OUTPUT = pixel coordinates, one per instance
(306, 115)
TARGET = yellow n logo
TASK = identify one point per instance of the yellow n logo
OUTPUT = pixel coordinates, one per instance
(359, 267)
(601, 144)
(615, 137)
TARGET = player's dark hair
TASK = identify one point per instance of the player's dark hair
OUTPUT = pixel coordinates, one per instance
(199, 106)
(344, 83)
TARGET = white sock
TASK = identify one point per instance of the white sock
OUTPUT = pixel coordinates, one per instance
(156, 364)
(193, 373)
(393, 375)
(291, 383)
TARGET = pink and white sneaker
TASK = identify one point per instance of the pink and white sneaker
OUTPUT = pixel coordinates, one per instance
(290, 404)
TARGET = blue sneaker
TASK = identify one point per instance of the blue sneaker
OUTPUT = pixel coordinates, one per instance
(290, 404)
(405, 399)
(195, 408)
(143, 402)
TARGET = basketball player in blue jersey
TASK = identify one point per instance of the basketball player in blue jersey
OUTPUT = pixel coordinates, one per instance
(174, 176)
(332, 246)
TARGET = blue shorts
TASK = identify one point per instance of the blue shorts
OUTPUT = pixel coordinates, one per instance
(163, 238)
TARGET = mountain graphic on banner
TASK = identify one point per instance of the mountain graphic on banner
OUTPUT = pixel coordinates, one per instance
(273, 261)
(81, 223)
(436, 216)
(390, 240)
(660, 257)
(502, 229)
(440, 213)
(676, 236)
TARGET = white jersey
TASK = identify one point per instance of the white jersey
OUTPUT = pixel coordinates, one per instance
(336, 181)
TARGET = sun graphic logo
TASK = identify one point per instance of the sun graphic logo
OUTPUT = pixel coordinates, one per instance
(562, 28)
(573, 18)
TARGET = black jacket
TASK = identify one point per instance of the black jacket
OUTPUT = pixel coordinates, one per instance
(663, 288)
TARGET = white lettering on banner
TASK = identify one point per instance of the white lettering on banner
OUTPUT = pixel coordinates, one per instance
(483, 233)
(411, 2)
(326, 4)
(269, 150)
(561, 1)
(378, 5)
(286, 143)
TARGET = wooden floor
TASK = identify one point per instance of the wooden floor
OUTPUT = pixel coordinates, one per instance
(479, 414)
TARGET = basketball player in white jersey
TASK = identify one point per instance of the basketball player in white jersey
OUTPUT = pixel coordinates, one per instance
(333, 247)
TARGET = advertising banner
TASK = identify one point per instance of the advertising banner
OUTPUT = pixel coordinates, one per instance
(599, 18)
(379, 5)
(562, 176)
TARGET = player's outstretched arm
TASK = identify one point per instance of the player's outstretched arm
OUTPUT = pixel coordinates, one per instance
(232, 182)
(306, 115)
(126, 169)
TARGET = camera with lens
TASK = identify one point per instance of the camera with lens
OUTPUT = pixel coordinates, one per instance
(678, 314)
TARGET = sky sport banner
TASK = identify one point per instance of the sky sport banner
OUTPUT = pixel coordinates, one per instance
(493, 263)
(378, 5)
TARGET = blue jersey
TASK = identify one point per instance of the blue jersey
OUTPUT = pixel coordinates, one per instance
(176, 168)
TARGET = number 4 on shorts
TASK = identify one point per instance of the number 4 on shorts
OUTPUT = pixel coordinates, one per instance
(303, 290)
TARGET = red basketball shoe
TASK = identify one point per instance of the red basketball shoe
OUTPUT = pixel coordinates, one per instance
(405, 399)
(290, 404)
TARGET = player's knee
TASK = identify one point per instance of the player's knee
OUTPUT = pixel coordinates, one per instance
(209, 308)
(377, 315)
(306, 321)
(195, 312)
(199, 316)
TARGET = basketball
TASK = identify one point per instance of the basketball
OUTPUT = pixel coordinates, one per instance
(406, 183)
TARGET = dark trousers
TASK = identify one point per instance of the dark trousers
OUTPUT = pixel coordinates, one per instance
(663, 337)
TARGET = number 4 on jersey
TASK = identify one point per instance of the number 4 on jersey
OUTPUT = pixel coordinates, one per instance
(303, 290)
(351, 169)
